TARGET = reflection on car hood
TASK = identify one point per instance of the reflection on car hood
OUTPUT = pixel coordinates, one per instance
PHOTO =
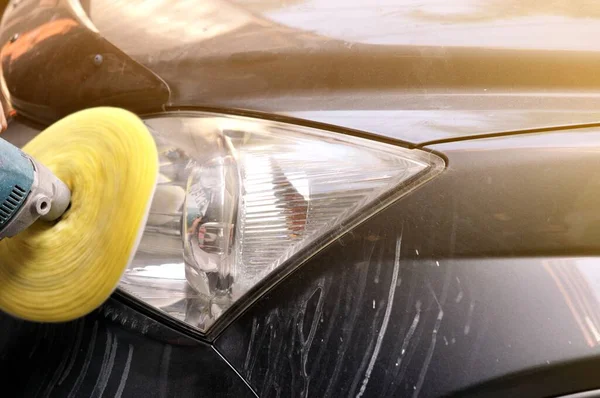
(417, 71)
(414, 70)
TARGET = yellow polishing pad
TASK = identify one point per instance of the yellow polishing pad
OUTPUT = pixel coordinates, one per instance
(62, 271)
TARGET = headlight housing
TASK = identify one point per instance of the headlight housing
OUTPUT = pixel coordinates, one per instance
(239, 198)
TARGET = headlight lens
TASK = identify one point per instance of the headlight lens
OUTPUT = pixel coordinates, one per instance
(238, 197)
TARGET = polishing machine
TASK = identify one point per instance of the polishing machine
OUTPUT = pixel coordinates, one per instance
(28, 191)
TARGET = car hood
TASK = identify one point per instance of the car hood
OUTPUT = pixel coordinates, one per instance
(415, 71)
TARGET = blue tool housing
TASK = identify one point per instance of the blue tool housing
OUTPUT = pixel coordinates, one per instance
(16, 179)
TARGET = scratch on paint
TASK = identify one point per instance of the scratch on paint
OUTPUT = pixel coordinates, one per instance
(38, 339)
(273, 370)
(260, 341)
(49, 338)
(74, 353)
(347, 327)
(68, 354)
(249, 351)
(86, 362)
(411, 330)
(107, 366)
(289, 356)
(378, 270)
(460, 294)
(307, 343)
(288, 337)
(436, 327)
(402, 353)
(386, 317)
(440, 303)
(469, 317)
(125, 373)
(329, 330)
(369, 350)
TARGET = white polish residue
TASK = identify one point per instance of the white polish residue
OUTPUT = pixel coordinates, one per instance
(469, 318)
(125, 373)
(108, 363)
(386, 318)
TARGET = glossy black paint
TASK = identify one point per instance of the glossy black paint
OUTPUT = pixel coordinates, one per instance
(478, 306)
(113, 352)
(327, 332)
(479, 275)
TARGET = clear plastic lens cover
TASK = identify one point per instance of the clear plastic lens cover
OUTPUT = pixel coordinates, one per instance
(238, 197)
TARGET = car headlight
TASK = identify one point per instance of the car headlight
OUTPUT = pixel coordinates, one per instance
(242, 199)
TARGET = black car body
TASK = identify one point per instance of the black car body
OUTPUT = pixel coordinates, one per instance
(483, 281)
